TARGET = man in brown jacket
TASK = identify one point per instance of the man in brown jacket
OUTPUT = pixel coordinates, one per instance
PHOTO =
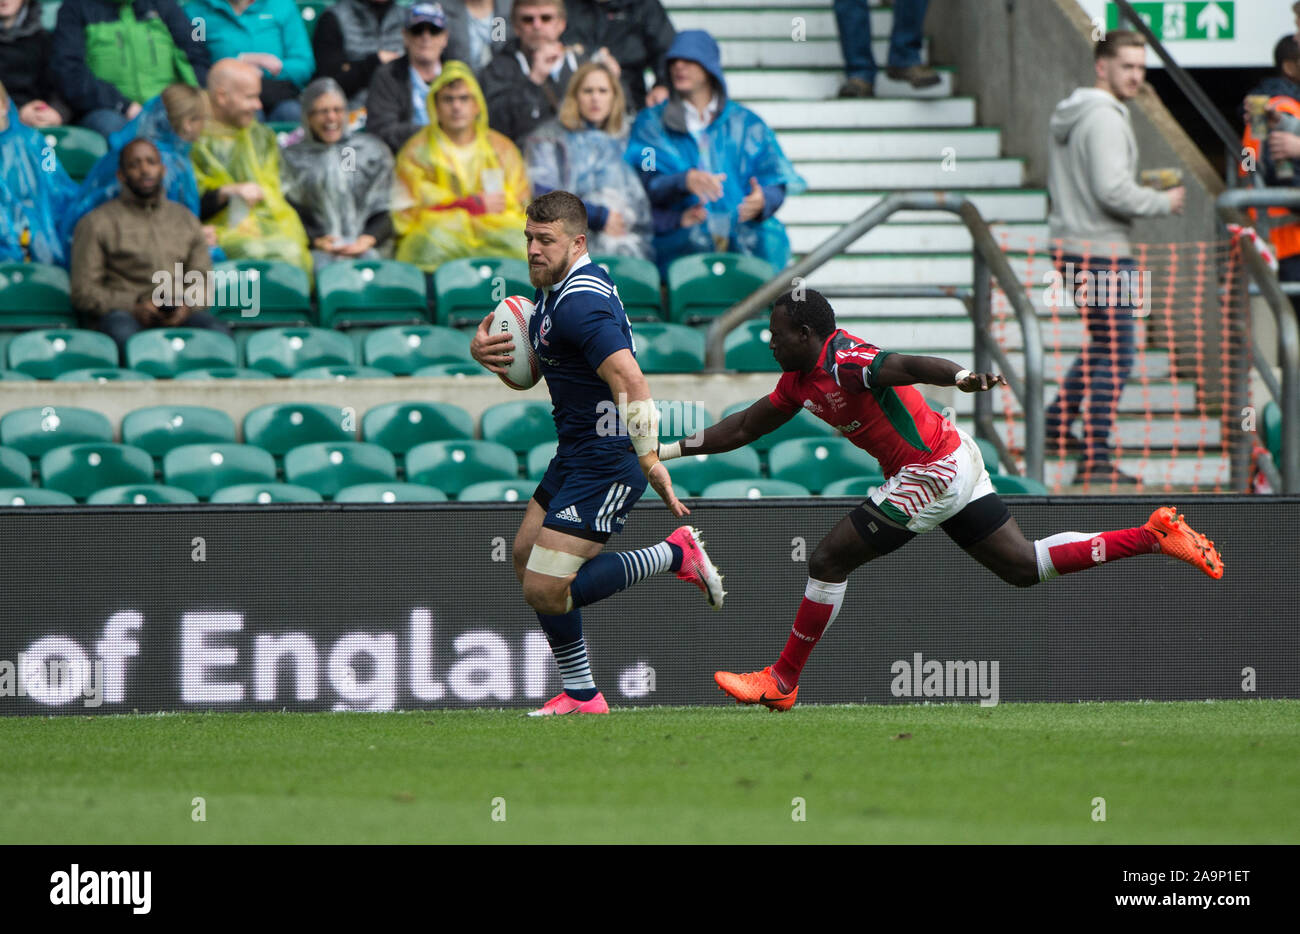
(140, 260)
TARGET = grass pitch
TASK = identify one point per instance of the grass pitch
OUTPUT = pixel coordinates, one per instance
(1020, 773)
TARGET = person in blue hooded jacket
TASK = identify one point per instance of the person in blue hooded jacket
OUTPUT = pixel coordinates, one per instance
(35, 192)
(713, 170)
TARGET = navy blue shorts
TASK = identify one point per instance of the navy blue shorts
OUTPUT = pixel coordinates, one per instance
(590, 498)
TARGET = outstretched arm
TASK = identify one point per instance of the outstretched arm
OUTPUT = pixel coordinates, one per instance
(637, 410)
(898, 369)
(734, 431)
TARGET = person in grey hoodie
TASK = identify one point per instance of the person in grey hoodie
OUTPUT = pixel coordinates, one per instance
(1092, 182)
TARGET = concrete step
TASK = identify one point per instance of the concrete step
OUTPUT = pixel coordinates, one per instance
(781, 52)
(909, 238)
(889, 145)
(951, 333)
(908, 269)
(927, 174)
(687, 6)
(1135, 433)
(866, 114)
(750, 84)
(841, 207)
(774, 21)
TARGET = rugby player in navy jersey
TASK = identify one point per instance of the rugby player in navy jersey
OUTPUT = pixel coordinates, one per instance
(581, 335)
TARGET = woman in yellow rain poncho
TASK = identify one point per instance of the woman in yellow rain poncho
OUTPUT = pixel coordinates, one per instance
(460, 187)
(269, 229)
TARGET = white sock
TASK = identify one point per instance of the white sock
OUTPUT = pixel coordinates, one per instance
(1047, 570)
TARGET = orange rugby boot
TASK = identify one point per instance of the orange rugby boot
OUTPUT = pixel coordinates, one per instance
(1179, 540)
(756, 687)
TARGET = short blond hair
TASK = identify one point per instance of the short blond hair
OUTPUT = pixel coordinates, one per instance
(571, 117)
(185, 102)
(1115, 40)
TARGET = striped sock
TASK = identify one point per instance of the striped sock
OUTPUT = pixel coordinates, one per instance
(607, 574)
(564, 635)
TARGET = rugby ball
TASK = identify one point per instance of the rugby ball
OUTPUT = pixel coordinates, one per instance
(511, 317)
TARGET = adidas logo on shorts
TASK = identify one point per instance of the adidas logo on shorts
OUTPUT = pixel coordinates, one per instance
(569, 514)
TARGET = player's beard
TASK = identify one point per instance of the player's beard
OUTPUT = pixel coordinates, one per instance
(543, 277)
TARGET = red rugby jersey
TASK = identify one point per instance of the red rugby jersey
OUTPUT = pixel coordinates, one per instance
(891, 423)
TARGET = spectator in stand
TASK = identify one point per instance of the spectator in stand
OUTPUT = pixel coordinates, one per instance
(237, 164)
(397, 104)
(172, 121)
(713, 169)
(637, 33)
(1092, 183)
(110, 56)
(581, 151)
(119, 249)
(853, 18)
(477, 30)
(461, 187)
(353, 38)
(25, 52)
(35, 192)
(525, 81)
(340, 183)
(268, 34)
(1283, 93)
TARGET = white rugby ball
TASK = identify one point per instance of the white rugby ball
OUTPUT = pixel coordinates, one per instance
(511, 317)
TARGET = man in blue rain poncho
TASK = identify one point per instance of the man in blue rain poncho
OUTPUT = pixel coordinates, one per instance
(35, 192)
(713, 169)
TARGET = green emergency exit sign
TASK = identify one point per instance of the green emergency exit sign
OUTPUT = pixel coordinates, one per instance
(1179, 20)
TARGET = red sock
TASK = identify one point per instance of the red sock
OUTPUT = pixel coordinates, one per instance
(1068, 552)
(820, 604)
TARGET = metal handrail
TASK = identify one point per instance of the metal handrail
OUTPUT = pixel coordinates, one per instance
(1228, 206)
(1185, 83)
(990, 263)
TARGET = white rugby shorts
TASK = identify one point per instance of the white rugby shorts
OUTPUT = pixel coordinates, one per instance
(921, 496)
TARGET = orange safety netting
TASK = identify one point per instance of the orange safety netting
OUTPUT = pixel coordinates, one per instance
(1145, 367)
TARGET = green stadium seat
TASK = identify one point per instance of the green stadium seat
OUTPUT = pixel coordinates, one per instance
(693, 472)
(329, 466)
(132, 494)
(370, 291)
(390, 493)
(859, 487)
(33, 295)
(35, 496)
(451, 369)
(638, 284)
(404, 350)
(47, 353)
(39, 429)
(81, 469)
(282, 426)
(224, 372)
(165, 352)
(803, 425)
(400, 426)
(668, 348)
(1012, 485)
(340, 372)
(465, 288)
(103, 374)
(15, 468)
(988, 451)
(15, 377)
(498, 491)
(747, 350)
(679, 419)
(539, 458)
(753, 489)
(815, 462)
(310, 10)
(77, 148)
(285, 351)
(159, 428)
(284, 127)
(704, 285)
(453, 465)
(520, 426)
(265, 493)
(1273, 431)
(280, 293)
(207, 467)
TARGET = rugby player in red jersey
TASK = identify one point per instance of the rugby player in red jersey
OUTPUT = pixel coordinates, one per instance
(935, 476)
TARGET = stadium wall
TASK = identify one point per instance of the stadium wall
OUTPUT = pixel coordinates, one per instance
(333, 607)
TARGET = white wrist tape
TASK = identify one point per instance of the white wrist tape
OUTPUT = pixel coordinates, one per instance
(642, 421)
(961, 375)
(668, 451)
